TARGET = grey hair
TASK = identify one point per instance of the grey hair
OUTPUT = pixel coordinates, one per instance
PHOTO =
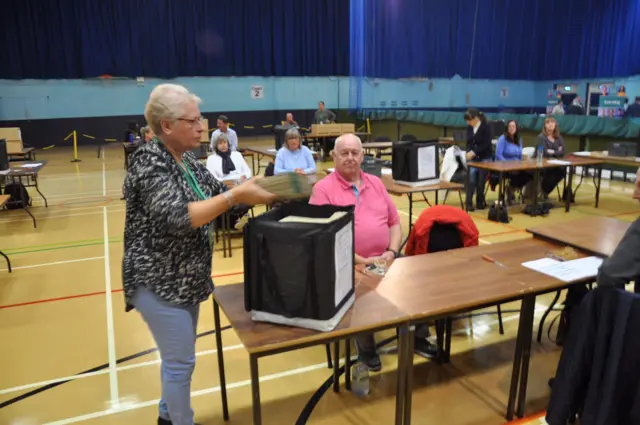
(145, 130)
(167, 102)
(292, 133)
(220, 138)
(345, 136)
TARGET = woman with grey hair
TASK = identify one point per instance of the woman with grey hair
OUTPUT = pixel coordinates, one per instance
(166, 269)
(147, 134)
(293, 157)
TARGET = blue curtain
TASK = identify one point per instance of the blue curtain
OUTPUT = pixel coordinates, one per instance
(169, 38)
(510, 39)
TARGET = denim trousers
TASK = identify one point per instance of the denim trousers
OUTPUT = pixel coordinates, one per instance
(477, 181)
(174, 330)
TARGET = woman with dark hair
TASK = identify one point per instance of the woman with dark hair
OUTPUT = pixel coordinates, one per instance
(553, 147)
(509, 148)
(478, 150)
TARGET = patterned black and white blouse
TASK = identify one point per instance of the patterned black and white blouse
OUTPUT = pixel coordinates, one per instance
(161, 249)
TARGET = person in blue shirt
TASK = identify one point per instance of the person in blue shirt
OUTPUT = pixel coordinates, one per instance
(509, 148)
(293, 157)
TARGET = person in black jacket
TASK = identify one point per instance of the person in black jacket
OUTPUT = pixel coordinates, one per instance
(479, 149)
(552, 145)
(624, 264)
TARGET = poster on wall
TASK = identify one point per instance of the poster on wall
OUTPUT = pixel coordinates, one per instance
(504, 92)
(257, 92)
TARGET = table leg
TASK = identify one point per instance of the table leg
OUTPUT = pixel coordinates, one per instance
(546, 313)
(26, 209)
(410, 195)
(599, 168)
(466, 185)
(529, 309)
(447, 341)
(255, 389)
(229, 234)
(347, 364)
(536, 182)
(517, 362)
(221, 370)
(8, 262)
(336, 366)
(437, 196)
(460, 196)
(408, 374)
(223, 222)
(569, 190)
(35, 180)
(401, 374)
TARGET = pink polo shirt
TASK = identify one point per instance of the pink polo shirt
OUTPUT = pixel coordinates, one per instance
(375, 212)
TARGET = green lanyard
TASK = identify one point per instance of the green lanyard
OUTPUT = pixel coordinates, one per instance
(193, 183)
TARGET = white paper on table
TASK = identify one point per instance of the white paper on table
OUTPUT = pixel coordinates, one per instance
(386, 171)
(30, 165)
(272, 150)
(566, 271)
(558, 162)
(638, 159)
(343, 258)
(5, 172)
(583, 153)
(427, 162)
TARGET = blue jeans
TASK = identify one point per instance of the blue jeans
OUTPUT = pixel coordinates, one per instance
(174, 330)
(477, 181)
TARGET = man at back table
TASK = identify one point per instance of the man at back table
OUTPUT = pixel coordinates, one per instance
(323, 115)
(377, 225)
(223, 128)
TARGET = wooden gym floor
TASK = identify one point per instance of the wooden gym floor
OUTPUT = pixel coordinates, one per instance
(62, 323)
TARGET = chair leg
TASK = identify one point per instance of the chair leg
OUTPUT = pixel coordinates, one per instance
(329, 362)
(500, 320)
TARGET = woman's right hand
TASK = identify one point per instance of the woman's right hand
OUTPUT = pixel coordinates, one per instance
(250, 193)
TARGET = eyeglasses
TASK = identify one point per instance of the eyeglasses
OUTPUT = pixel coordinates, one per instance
(192, 121)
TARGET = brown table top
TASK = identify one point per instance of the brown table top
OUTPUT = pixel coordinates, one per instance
(620, 160)
(19, 169)
(369, 312)
(596, 235)
(377, 145)
(444, 283)
(399, 189)
(531, 164)
(4, 199)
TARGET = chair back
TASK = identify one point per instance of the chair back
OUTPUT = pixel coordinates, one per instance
(444, 237)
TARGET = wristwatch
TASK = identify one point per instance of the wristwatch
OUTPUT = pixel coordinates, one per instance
(395, 253)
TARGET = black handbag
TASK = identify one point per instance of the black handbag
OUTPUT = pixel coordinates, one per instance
(498, 212)
(300, 273)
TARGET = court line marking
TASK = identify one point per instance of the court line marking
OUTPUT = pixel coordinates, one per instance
(106, 371)
(56, 216)
(90, 294)
(55, 263)
(140, 405)
(113, 373)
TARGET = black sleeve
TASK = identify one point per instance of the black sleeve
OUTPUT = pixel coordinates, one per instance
(624, 264)
(483, 148)
(560, 148)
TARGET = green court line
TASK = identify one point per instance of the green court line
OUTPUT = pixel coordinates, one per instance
(57, 244)
(57, 248)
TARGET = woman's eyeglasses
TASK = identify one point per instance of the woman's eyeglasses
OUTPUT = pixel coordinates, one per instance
(192, 121)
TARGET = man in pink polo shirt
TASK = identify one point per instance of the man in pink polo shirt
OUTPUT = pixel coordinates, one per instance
(377, 223)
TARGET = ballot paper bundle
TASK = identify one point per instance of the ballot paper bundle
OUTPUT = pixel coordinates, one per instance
(299, 265)
(288, 186)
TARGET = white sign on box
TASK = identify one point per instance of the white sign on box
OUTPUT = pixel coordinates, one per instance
(257, 92)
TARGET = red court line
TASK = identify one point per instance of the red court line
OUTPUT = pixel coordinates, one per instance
(90, 294)
(527, 420)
